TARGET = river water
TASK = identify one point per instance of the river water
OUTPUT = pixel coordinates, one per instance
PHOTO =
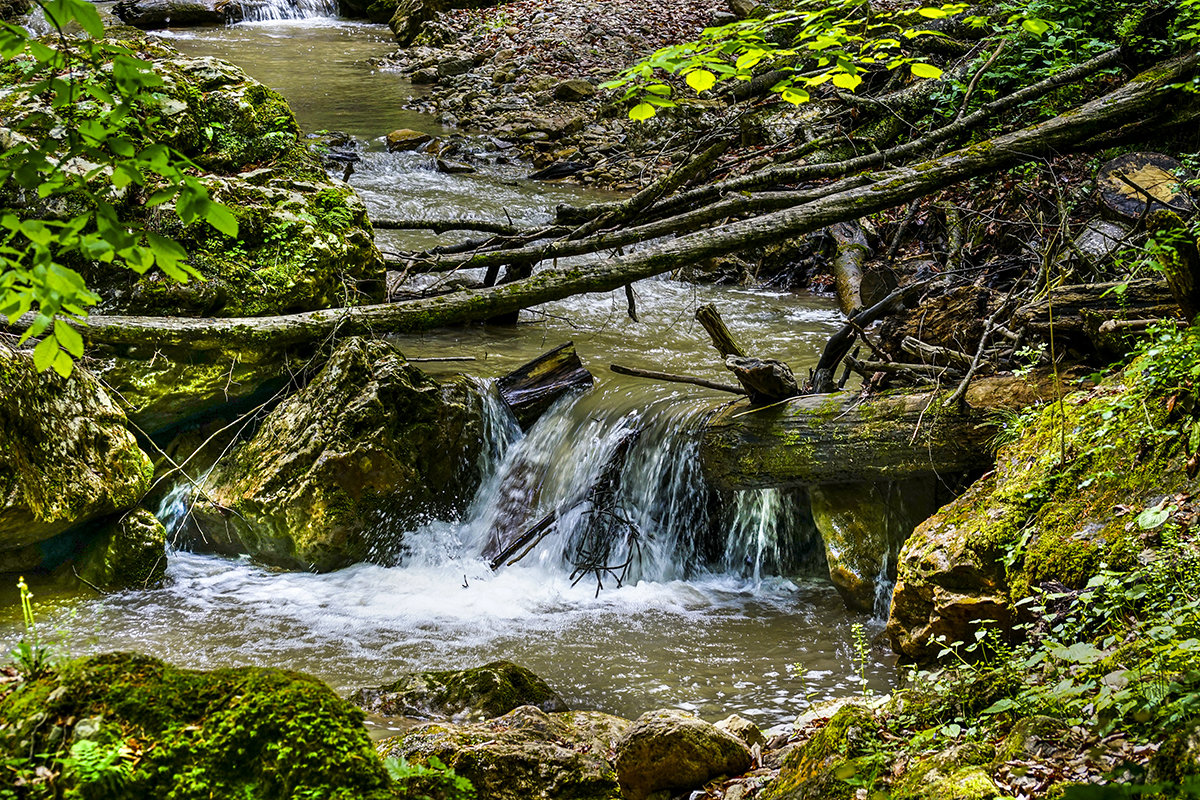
(741, 622)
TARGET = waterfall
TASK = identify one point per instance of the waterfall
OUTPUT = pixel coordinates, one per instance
(270, 10)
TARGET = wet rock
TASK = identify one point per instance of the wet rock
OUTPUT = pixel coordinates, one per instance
(526, 754)
(156, 14)
(424, 76)
(743, 729)
(406, 139)
(340, 471)
(66, 457)
(574, 90)
(816, 769)
(130, 553)
(13, 10)
(863, 527)
(673, 750)
(462, 695)
(244, 732)
(453, 167)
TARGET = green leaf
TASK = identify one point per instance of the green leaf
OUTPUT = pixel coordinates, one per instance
(660, 89)
(44, 353)
(932, 13)
(1035, 26)
(846, 80)
(1152, 518)
(222, 219)
(1078, 653)
(63, 364)
(923, 70)
(701, 80)
(642, 111)
(795, 96)
(69, 338)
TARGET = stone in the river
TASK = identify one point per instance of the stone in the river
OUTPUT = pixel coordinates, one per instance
(155, 14)
(526, 754)
(467, 694)
(743, 729)
(66, 457)
(242, 732)
(338, 472)
(453, 167)
(406, 139)
(425, 75)
(129, 553)
(574, 90)
(840, 747)
(673, 750)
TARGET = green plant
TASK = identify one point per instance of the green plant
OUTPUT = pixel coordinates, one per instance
(96, 770)
(430, 781)
(32, 657)
(862, 654)
(88, 144)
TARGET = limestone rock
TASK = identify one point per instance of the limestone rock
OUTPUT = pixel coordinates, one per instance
(244, 732)
(66, 457)
(469, 694)
(526, 754)
(743, 729)
(672, 750)
(405, 139)
(574, 90)
(341, 470)
(129, 553)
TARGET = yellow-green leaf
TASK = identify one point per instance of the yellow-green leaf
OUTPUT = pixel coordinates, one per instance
(701, 80)
(845, 80)
(795, 96)
(1036, 26)
(641, 111)
(44, 353)
(922, 70)
(69, 338)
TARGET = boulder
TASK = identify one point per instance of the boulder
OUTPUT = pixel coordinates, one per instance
(468, 694)
(338, 472)
(863, 527)
(157, 14)
(673, 750)
(526, 754)
(405, 139)
(743, 729)
(816, 769)
(128, 553)
(66, 457)
(244, 732)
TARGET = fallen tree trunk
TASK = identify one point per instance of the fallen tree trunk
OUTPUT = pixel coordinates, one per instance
(1069, 310)
(533, 387)
(852, 253)
(1142, 101)
(841, 438)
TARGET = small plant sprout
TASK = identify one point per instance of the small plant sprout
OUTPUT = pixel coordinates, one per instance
(862, 652)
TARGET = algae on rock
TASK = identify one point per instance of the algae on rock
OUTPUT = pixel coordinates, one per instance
(340, 471)
(129, 553)
(468, 694)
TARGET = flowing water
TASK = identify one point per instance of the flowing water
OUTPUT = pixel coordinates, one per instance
(722, 606)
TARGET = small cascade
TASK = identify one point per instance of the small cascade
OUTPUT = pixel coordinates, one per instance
(272, 10)
(174, 507)
(770, 532)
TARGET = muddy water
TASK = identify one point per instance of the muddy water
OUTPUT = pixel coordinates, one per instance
(748, 631)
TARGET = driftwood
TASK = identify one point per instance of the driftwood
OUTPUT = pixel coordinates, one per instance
(708, 316)
(672, 378)
(852, 253)
(531, 388)
(841, 438)
(765, 380)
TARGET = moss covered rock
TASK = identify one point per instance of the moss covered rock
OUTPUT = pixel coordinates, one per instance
(673, 750)
(304, 240)
(340, 471)
(186, 735)
(128, 553)
(66, 457)
(818, 769)
(526, 754)
(466, 694)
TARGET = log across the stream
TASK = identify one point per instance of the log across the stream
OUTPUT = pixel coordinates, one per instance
(841, 438)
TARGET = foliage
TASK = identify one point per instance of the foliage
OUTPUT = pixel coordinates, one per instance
(432, 781)
(836, 42)
(97, 770)
(31, 656)
(87, 146)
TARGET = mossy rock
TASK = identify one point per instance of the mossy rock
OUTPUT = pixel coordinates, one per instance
(304, 241)
(467, 694)
(188, 735)
(840, 749)
(340, 471)
(128, 553)
(675, 751)
(66, 457)
(526, 754)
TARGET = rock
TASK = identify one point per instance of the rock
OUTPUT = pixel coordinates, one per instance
(66, 457)
(462, 695)
(156, 14)
(574, 90)
(743, 729)
(244, 732)
(526, 754)
(338, 472)
(13, 10)
(746, 9)
(815, 769)
(405, 139)
(424, 76)
(863, 527)
(453, 167)
(130, 553)
(673, 750)
(455, 65)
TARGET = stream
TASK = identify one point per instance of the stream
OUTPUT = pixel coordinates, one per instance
(746, 624)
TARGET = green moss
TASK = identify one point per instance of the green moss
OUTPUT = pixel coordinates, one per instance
(246, 732)
(817, 768)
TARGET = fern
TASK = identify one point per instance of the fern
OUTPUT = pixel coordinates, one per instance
(96, 770)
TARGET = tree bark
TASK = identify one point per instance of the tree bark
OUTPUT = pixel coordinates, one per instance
(708, 316)
(533, 387)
